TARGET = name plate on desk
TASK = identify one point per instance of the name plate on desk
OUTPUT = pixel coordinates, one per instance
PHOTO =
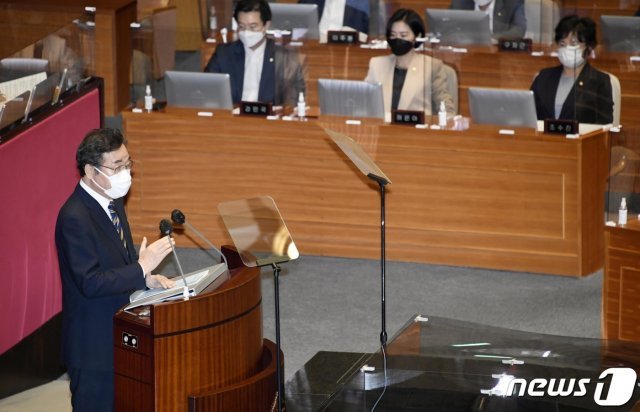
(342, 37)
(409, 117)
(519, 45)
(557, 126)
(256, 108)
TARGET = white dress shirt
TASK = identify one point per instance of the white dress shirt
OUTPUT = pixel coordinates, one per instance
(103, 201)
(332, 15)
(253, 60)
(489, 11)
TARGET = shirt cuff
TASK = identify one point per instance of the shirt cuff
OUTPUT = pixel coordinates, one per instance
(143, 274)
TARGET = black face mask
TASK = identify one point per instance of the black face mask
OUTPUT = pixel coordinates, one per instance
(400, 47)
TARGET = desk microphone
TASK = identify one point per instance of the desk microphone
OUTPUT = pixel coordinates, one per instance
(166, 229)
(179, 218)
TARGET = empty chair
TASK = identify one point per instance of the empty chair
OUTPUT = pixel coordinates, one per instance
(616, 95)
(452, 84)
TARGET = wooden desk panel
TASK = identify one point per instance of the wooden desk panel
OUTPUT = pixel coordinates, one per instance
(527, 202)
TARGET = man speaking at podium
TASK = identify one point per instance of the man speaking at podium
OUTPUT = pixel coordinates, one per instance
(99, 266)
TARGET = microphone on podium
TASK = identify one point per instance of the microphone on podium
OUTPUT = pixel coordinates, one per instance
(179, 218)
(166, 229)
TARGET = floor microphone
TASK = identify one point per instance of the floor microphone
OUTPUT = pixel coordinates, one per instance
(179, 218)
(166, 229)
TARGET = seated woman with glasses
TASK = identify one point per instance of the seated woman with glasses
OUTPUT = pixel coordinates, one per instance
(574, 90)
(410, 80)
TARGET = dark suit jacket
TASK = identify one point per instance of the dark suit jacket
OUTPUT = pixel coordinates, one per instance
(282, 74)
(356, 17)
(98, 274)
(591, 94)
(509, 21)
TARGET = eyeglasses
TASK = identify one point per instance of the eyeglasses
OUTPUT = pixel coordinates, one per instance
(251, 27)
(116, 170)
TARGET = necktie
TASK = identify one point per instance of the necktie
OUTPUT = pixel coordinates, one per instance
(116, 222)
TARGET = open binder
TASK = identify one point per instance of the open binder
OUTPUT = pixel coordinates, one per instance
(197, 281)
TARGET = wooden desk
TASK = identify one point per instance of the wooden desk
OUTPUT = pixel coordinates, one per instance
(527, 202)
(112, 38)
(481, 66)
(621, 282)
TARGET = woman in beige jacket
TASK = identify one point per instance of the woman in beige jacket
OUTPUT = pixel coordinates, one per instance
(410, 80)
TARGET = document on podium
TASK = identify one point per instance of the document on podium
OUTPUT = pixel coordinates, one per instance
(197, 281)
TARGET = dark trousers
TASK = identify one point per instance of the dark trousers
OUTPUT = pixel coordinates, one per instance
(91, 391)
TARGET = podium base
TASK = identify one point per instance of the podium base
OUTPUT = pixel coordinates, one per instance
(256, 393)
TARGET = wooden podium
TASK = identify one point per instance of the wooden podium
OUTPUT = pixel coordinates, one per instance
(204, 354)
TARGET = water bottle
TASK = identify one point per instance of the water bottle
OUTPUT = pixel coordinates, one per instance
(622, 212)
(148, 100)
(302, 106)
(442, 116)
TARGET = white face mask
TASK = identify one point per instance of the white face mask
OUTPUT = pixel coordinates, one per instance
(120, 183)
(571, 56)
(482, 3)
(250, 38)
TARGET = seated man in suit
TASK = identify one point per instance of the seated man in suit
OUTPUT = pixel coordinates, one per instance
(259, 69)
(99, 266)
(337, 14)
(507, 18)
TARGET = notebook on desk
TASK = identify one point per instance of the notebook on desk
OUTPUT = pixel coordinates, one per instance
(197, 281)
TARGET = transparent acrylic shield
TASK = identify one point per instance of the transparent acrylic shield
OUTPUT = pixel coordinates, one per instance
(358, 156)
(258, 231)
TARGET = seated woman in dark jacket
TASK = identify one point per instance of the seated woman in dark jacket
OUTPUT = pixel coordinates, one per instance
(575, 89)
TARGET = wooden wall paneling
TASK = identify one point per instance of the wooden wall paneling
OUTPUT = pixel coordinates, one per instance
(23, 26)
(113, 51)
(188, 26)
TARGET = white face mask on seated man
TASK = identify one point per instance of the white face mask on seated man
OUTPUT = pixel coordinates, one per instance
(250, 38)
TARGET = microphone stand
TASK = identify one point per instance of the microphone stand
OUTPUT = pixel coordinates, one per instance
(179, 218)
(166, 229)
(276, 273)
(185, 288)
(382, 182)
